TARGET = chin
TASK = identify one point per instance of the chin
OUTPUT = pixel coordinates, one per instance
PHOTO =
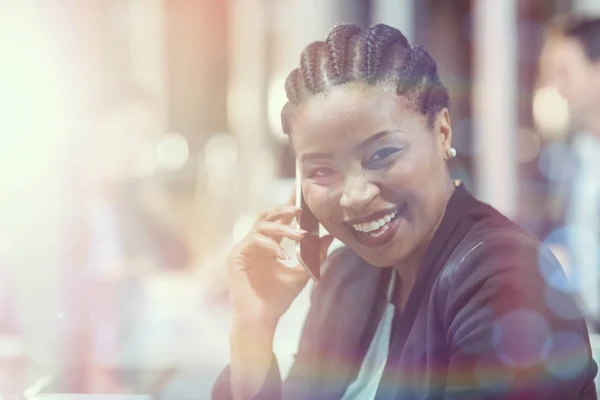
(380, 263)
(383, 257)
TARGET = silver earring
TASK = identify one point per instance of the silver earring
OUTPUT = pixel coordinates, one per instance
(451, 152)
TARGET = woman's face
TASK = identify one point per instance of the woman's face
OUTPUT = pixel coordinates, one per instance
(373, 170)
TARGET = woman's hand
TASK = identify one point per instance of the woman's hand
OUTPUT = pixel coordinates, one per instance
(261, 288)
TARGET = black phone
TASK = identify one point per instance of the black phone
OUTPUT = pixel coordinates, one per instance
(308, 250)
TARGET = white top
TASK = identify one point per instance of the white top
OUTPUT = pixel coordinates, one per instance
(368, 378)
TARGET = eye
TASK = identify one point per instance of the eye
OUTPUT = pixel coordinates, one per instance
(323, 176)
(321, 172)
(382, 154)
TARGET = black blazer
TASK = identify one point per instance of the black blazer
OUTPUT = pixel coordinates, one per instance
(491, 316)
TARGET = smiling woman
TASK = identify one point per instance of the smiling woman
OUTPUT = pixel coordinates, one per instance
(375, 156)
(435, 294)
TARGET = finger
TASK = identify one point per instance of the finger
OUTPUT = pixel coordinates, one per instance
(283, 214)
(271, 247)
(291, 203)
(292, 197)
(278, 231)
(325, 242)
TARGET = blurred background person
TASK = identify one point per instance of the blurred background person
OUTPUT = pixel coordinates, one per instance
(570, 62)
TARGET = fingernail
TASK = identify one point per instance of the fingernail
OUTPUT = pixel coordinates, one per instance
(300, 231)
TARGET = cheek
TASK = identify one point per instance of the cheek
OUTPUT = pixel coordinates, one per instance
(420, 180)
(324, 202)
(417, 170)
(320, 200)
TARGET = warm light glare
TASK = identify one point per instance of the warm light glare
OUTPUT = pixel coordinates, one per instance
(34, 99)
(173, 151)
(551, 112)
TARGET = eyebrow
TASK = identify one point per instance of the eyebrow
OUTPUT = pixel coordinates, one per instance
(375, 137)
(361, 145)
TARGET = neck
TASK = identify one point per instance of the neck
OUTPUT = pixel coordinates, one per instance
(409, 268)
(407, 275)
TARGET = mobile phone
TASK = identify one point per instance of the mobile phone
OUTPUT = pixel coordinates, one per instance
(308, 250)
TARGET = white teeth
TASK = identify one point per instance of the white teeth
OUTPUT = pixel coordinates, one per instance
(374, 225)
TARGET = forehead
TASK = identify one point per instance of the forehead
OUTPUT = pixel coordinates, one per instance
(350, 113)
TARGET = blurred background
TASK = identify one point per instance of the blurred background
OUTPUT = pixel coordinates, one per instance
(139, 139)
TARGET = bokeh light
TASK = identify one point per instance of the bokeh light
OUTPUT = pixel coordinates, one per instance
(518, 338)
(172, 151)
(554, 275)
(221, 156)
(551, 112)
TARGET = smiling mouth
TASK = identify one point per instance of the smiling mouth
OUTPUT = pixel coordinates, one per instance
(376, 223)
(379, 230)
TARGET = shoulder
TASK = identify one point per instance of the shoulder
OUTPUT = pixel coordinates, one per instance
(503, 267)
(497, 247)
(494, 244)
(498, 258)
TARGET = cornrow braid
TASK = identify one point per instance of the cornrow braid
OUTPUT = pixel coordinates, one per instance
(340, 44)
(419, 78)
(380, 55)
(316, 66)
(378, 42)
(291, 86)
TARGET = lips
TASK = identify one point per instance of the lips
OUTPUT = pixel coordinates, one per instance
(378, 228)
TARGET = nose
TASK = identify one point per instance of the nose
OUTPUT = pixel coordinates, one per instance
(358, 193)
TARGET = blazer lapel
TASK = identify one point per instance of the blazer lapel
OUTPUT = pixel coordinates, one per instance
(354, 309)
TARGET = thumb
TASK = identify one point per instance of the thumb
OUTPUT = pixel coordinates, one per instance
(325, 242)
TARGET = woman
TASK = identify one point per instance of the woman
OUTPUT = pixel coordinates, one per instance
(435, 294)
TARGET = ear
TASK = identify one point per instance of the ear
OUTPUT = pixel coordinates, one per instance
(443, 132)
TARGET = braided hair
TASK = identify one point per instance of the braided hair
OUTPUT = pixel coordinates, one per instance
(587, 32)
(380, 55)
